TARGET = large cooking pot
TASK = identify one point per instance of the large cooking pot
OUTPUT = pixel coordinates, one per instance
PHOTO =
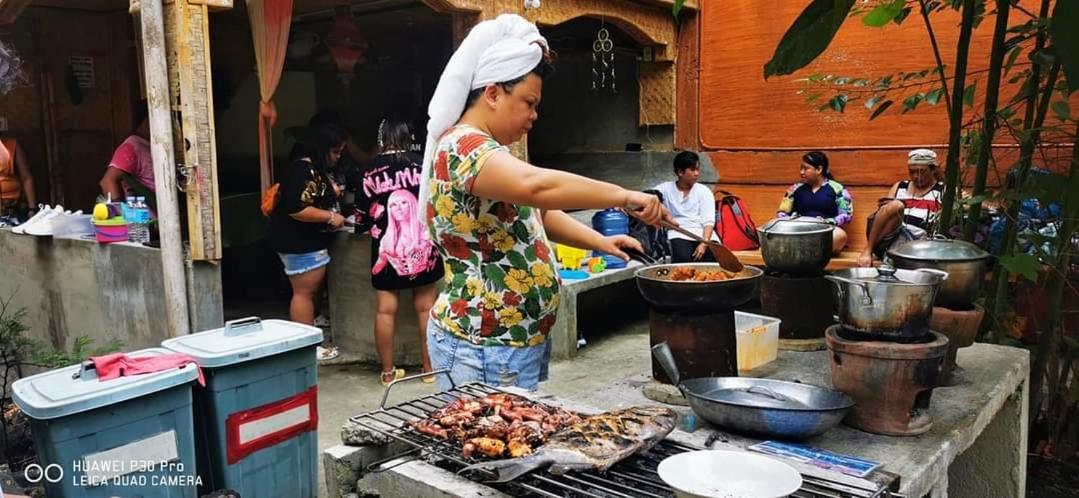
(965, 263)
(796, 246)
(661, 292)
(885, 302)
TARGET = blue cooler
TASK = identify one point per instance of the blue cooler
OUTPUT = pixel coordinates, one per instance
(258, 414)
(128, 436)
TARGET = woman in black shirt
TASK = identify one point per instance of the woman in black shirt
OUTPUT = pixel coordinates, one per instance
(305, 217)
(402, 255)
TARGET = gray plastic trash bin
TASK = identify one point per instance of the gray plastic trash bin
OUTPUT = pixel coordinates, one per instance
(258, 414)
(129, 436)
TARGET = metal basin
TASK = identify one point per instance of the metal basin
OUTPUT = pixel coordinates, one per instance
(885, 302)
(965, 263)
(698, 297)
(799, 247)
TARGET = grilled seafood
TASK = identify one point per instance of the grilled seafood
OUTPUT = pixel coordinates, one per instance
(596, 442)
(495, 425)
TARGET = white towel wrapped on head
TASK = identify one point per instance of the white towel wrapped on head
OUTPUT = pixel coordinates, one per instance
(495, 51)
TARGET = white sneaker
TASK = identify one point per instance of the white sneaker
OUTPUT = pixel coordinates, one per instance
(44, 226)
(21, 229)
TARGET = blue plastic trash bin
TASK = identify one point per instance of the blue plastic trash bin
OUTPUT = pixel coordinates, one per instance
(128, 436)
(256, 432)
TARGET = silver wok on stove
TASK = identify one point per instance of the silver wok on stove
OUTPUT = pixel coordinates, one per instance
(763, 407)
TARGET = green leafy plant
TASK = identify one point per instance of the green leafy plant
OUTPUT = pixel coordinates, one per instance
(18, 353)
(1040, 54)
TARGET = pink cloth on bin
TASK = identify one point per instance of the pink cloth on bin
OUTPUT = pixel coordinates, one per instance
(116, 365)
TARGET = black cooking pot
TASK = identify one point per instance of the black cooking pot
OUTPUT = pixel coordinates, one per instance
(665, 294)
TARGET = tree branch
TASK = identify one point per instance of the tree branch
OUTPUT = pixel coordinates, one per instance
(936, 53)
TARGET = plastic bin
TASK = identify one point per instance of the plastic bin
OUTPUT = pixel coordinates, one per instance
(757, 338)
(129, 436)
(258, 414)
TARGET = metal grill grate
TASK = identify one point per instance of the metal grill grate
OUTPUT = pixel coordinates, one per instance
(634, 477)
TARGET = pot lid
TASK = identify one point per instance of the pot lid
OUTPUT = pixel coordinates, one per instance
(938, 250)
(796, 226)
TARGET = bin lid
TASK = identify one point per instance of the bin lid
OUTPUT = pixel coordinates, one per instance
(70, 390)
(245, 340)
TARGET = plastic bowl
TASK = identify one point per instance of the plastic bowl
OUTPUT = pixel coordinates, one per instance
(728, 474)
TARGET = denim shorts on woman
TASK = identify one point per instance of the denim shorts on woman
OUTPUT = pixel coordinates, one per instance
(501, 366)
(296, 264)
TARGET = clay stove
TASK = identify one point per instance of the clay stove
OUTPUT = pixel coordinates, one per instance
(891, 382)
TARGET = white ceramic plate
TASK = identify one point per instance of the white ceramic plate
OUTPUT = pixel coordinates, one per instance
(728, 474)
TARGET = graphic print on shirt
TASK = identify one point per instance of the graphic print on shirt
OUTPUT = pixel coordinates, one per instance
(405, 245)
(403, 255)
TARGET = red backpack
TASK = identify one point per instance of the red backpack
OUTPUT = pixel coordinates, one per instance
(734, 225)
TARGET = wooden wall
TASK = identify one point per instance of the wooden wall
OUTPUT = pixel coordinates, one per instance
(86, 133)
(757, 130)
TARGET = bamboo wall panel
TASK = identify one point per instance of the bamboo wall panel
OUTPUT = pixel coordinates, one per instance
(859, 167)
(657, 97)
(88, 125)
(739, 109)
(648, 24)
(687, 84)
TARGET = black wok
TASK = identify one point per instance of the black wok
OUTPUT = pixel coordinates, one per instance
(701, 297)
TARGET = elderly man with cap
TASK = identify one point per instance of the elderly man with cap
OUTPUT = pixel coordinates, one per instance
(492, 216)
(910, 210)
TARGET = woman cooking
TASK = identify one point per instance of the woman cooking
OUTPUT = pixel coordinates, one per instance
(818, 195)
(491, 215)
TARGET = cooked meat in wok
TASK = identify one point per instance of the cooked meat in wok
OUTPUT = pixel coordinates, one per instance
(683, 273)
(495, 425)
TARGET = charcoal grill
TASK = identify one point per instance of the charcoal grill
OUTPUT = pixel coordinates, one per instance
(634, 477)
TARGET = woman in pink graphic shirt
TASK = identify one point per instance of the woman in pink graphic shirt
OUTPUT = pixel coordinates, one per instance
(402, 255)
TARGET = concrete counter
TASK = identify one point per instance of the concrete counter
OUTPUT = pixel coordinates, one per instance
(75, 287)
(352, 306)
(976, 447)
(72, 287)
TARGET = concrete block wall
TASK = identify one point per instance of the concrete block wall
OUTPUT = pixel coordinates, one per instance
(73, 288)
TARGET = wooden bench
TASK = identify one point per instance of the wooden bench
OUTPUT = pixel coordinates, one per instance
(845, 259)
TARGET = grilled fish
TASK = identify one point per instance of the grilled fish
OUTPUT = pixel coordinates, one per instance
(595, 443)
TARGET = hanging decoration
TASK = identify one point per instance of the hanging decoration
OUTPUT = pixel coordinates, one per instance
(603, 77)
(345, 43)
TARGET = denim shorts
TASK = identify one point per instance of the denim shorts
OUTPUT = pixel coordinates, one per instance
(500, 366)
(296, 264)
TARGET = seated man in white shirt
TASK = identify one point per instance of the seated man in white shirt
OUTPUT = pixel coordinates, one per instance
(693, 207)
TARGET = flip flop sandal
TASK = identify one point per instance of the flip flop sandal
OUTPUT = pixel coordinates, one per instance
(393, 375)
(326, 353)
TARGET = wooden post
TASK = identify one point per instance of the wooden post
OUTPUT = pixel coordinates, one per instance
(152, 24)
(188, 34)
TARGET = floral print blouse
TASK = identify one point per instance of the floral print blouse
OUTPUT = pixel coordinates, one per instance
(501, 285)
